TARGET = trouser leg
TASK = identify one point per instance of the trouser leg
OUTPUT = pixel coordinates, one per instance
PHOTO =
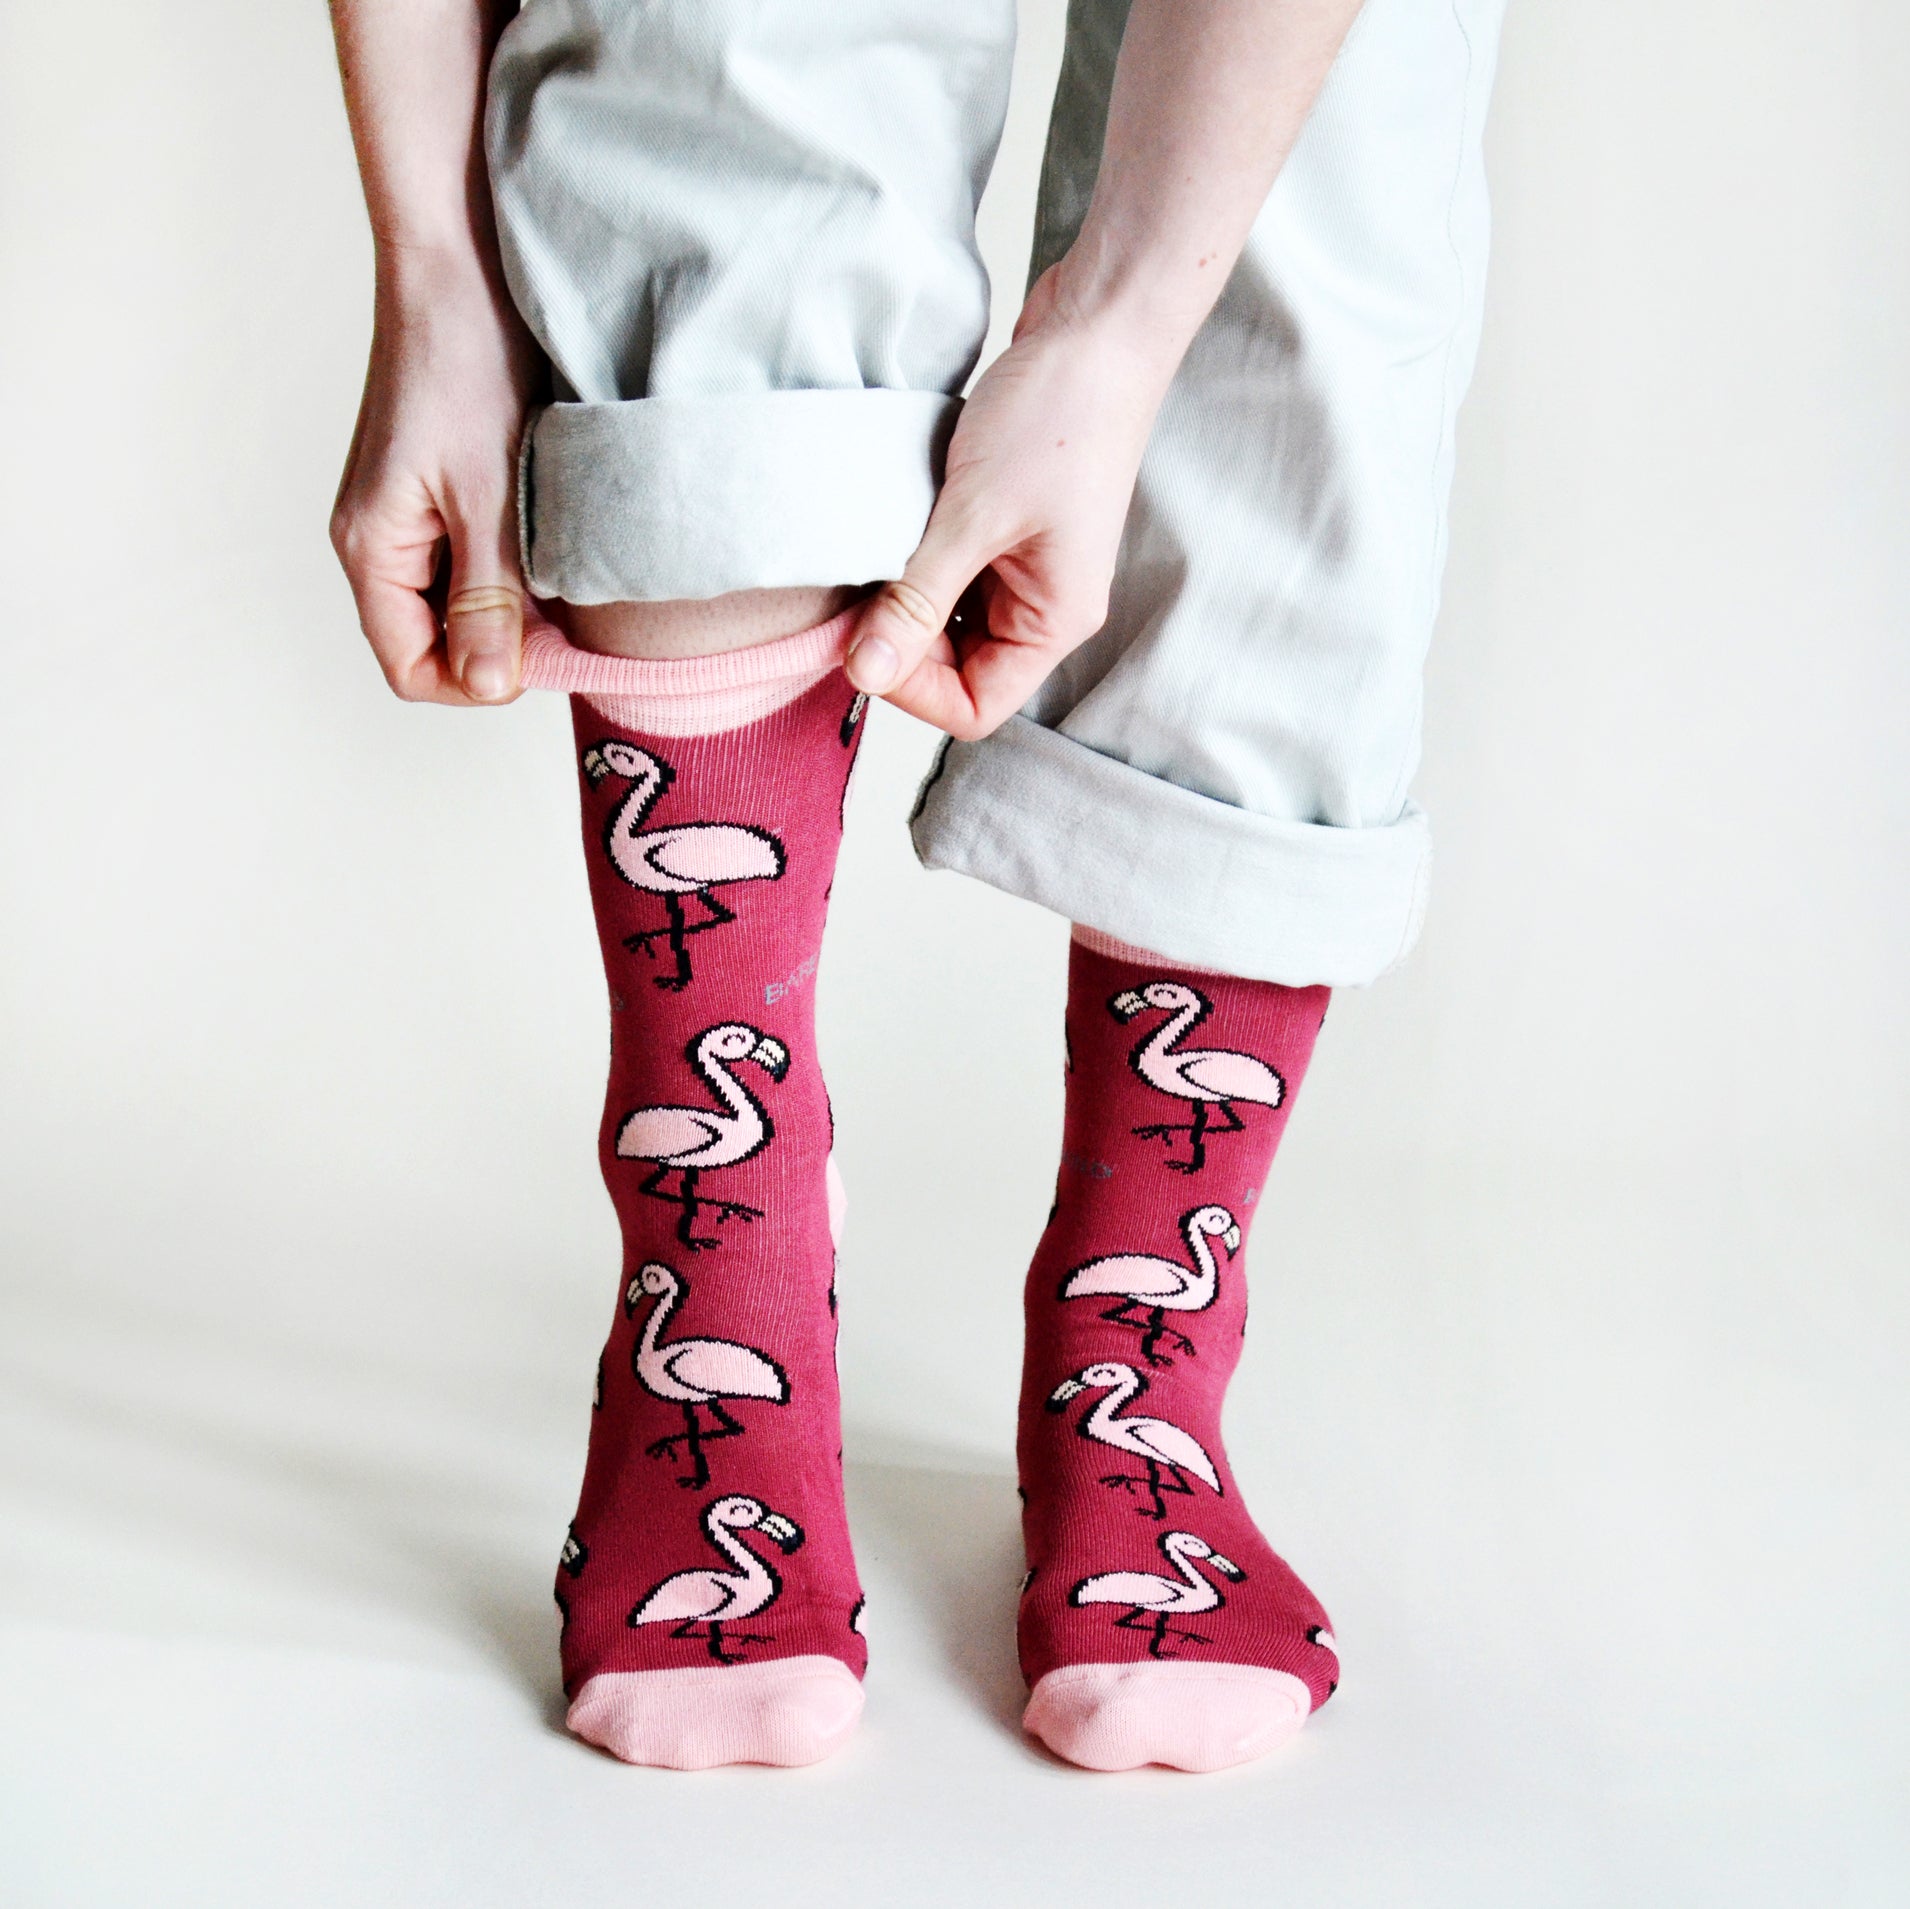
(1222, 773)
(743, 231)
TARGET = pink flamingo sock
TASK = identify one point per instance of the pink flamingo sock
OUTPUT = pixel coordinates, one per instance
(1157, 1625)
(710, 1601)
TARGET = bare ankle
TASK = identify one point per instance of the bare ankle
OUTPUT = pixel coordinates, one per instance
(701, 626)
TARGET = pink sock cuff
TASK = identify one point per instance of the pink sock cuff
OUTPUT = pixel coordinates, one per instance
(1096, 942)
(691, 695)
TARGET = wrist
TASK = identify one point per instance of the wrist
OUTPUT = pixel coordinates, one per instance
(1148, 301)
(424, 275)
(452, 296)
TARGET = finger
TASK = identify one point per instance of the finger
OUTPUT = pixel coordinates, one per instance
(974, 699)
(936, 692)
(904, 618)
(972, 695)
(484, 614)
(388, 554)
(403, 633)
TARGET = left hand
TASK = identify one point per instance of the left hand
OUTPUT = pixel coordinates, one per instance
(1040, 473)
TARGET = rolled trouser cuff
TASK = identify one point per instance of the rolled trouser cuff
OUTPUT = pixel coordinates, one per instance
(655, 499)
(1163, 867)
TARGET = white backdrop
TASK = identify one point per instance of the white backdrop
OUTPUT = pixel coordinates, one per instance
(1576, 1385)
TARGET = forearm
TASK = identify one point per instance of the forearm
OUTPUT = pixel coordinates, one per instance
(429, 474)
(1208, 99)
(414, 92)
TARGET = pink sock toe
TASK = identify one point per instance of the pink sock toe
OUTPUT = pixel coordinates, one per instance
(1191, 1716)
(791, 1710)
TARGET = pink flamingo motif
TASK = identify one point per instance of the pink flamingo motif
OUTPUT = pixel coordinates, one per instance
(1153, 1601)
(1169, 1453)
(695, 1372)
(694, 858)
(1212, 1078)
(688, 1141)
(716, 1599)
(1159, 1286)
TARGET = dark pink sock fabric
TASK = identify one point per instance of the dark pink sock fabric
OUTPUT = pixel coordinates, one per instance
(1139, 1546)
(711, 1528)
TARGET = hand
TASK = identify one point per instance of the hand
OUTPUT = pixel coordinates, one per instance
(1040, 473)
(432, 464)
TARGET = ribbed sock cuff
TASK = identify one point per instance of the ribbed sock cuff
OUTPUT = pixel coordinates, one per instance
(691, 695)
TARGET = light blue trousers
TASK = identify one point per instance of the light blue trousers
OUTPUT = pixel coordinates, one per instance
(743, 231)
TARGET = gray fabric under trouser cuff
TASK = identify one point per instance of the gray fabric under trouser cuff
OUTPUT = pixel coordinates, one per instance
(664, 497)
(1169, 870)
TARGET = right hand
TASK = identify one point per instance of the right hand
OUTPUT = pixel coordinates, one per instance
(1040, 474)
(433, 463)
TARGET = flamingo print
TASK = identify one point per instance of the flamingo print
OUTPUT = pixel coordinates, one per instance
(688, 1141)
(1169, 1454)
(717, 1599)
(1212, 1079)
(1153, 1601)
(694, 858)
(695, 1372)
(1159, 1286)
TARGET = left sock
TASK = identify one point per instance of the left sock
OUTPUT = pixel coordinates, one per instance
(1157, 1624)
(710, 1600)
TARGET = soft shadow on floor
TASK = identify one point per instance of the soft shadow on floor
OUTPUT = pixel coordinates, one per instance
(201, 1451)
(949, 1530)
(430, 1535)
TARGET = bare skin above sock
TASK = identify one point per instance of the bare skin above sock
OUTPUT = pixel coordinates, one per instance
(1157, 1624)
(710, 1600)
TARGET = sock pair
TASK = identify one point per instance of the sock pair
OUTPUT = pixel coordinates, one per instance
(709, 1594)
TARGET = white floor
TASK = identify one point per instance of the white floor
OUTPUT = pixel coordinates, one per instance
(1616, 1563)
(277, 1632)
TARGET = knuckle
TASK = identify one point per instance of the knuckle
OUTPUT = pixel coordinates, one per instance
(482, 599)
(912, 605)
(397, 674)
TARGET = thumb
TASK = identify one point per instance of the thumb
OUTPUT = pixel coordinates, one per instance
(484, 613)
(905, 617)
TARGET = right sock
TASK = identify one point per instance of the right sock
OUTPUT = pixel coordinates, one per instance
(1157, 1624)
(710, 1600)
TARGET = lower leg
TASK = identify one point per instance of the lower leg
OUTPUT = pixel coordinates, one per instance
(700, 626)
(711, 1607)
